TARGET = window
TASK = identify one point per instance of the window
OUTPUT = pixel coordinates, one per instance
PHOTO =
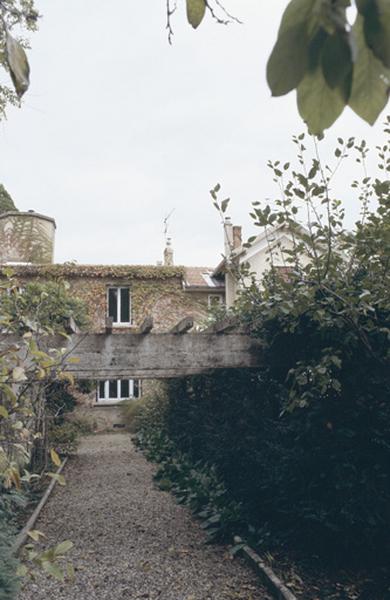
(115, 390)
(214, 300)
(119, 305)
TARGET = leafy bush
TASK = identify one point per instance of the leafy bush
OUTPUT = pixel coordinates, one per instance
(64, 437)
(8, 580)
(59, 400)
(39, 306)
(303, 444)
(131, 410)
(9, 583)
(199, 487)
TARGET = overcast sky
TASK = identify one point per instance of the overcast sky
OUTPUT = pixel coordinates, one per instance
(119, 128)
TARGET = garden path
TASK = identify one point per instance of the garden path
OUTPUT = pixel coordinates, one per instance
(132, 540)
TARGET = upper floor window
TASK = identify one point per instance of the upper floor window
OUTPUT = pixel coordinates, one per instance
(215, 300)
(119, 305)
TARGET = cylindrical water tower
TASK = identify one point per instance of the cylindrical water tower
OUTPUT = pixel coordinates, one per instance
(26, 238)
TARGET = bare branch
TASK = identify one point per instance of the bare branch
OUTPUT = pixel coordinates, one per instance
(229, 16)
(170, 11)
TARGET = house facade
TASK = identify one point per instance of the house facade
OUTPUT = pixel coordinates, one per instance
(270, 247)
(126, 294)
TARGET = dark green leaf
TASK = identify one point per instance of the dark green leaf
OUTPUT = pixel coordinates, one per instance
(224, 204)
(315, 49)
(288, 61)
(376, 14)
(336, 61)
(299, 193)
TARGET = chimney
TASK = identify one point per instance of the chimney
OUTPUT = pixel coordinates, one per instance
(237, 236)
(228, 235)
(168, 254)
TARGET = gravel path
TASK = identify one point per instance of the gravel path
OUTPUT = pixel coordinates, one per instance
(132, 541)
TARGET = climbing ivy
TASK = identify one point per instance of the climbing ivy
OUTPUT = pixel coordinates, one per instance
(99, 271)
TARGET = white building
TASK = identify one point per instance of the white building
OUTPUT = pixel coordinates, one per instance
(270, 247)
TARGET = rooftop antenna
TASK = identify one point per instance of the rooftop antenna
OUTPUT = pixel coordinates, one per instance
(166, 223)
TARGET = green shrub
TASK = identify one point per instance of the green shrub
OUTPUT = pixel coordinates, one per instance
(131, 410)
(64, 438)
(59, 400)
(9, 584)
(43, 305)
(303, 444)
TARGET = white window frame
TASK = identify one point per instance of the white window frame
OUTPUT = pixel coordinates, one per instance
(119, 288)
(108, 400)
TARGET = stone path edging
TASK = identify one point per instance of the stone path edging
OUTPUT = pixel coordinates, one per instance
(23, 534)
(269, 577)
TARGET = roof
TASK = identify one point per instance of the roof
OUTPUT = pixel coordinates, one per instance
(201, 279)
(193, 278)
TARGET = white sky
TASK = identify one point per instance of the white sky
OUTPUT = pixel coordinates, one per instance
(118, 128)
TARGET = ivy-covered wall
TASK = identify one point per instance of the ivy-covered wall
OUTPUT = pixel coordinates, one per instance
(155, 291)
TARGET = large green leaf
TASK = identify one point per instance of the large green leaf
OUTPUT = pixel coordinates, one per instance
(371, 80)
(195, 12)
(318, 104)
(287, 64)
(376, 15)
(336, 60)
(18, 65)
(297, 11)
(289, 58)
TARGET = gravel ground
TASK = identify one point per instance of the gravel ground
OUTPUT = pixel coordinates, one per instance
(132, 540)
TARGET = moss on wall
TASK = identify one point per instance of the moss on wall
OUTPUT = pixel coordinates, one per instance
(73, 270)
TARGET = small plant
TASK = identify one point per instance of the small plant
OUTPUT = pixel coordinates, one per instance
(131, 413)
